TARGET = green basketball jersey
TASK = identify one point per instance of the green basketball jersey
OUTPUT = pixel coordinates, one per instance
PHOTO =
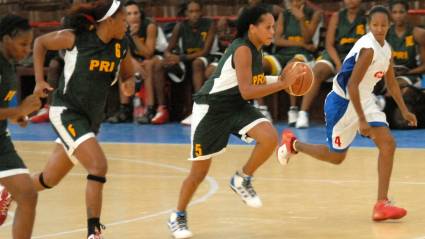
(91, 67)
(292, 31)
(193, 37)
(7, 87)
(404, 47)
(347, 33)
(222, 87)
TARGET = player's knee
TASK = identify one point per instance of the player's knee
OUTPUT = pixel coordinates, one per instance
(99, 168)
(272, 138)
(388, 144)
(268, 137)
(27, 195)
(337, 158)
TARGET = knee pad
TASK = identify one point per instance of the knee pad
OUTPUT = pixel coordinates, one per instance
(41, 180)
(98, 179)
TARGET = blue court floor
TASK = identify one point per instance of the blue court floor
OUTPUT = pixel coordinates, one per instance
(175, 133)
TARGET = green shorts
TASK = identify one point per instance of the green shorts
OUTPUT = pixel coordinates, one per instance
(10, 162)
(72, 128)
(213, 125)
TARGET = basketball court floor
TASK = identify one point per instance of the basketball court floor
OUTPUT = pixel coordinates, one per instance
(306, 199)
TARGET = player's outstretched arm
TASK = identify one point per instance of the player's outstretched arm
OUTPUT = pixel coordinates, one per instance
(394, 90)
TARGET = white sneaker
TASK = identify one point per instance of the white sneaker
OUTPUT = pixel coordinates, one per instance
(302, 121)
(243, 187)
(292, 116)
(265, 111)
(187, 120)
(178, 226)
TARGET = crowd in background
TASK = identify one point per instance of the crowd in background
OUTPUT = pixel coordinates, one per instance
(173, 60)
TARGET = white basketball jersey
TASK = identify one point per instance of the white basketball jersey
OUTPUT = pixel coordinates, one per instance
(375, 72)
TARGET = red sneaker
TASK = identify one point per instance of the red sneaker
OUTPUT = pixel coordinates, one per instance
(286, 149)
(162, 115)
(41, 116)
(5, 200)
(384, 210)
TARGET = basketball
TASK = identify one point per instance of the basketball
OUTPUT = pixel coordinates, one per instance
(303, 84)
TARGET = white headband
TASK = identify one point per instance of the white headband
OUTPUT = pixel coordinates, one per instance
(114, 7)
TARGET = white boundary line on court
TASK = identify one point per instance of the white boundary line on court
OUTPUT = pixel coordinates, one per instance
(213, 187)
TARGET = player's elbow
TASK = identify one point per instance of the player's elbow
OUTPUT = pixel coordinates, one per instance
(246, 93)
(246, 96)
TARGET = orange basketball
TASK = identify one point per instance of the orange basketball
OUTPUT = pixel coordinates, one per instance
(303, 84)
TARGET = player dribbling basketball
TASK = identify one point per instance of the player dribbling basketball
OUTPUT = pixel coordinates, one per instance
(221, 108)
(350, 107)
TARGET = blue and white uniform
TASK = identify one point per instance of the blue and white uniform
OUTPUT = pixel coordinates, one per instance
(342, 121)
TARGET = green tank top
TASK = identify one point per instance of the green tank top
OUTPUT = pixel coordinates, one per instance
(91, 67)
(404, 47)
(7, 87)
(222, 87)
(194, 36)
(292, 31)
(347, 33)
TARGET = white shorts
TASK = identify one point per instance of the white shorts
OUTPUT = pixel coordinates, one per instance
(342, 121)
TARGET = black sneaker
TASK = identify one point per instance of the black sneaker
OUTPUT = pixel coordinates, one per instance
(123, 115)
(146, 118)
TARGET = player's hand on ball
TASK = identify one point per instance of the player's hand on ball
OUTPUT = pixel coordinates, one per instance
(290, 75)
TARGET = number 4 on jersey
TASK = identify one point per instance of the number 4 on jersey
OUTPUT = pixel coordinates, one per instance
(338, 141)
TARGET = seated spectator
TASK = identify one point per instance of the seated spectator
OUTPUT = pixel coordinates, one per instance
(408, 45)
(225, 36)
(273, 8)
(196, 35)
(344, 29)
(142, 37)
(296, 27)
